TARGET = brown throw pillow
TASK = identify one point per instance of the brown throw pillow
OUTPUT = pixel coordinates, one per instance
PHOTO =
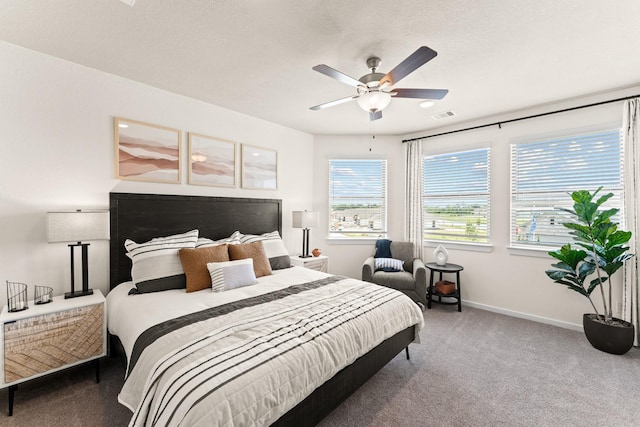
(194, 264)
(253, 250)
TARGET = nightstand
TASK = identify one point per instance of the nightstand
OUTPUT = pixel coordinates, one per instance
(50, 337)
(319, 263)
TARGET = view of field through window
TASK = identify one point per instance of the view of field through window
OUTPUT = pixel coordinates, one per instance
(456, 196)
(357, 198)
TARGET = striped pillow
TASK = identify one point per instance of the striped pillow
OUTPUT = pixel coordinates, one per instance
(273, 247)
(203, 242)
(231, 274)
(156, 265)
(388, 264)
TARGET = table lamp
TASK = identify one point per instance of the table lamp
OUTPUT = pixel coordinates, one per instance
(78, 226)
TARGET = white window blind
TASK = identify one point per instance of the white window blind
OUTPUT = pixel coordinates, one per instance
(543, 173)
(456, 196)
(357, 198)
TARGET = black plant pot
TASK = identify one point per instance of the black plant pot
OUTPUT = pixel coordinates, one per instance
(614, 339)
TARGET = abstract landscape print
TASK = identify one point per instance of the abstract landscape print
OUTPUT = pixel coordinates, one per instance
(212, 161)
(147, 152)
(259, 168)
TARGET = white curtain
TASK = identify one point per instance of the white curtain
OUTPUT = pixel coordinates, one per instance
(631, 135)
(413, 185)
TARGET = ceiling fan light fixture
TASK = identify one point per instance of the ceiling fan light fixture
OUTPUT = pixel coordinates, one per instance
(427, 104)
(374, 101)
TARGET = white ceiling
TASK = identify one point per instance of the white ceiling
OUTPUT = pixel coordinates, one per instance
(255, 57)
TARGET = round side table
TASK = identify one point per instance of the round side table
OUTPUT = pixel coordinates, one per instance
(432, 294)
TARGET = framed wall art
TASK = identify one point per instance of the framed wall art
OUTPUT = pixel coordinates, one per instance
(212, 161)
(259, 168)
(147, 152)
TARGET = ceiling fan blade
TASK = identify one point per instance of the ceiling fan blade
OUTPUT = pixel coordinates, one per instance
(333, 73)
(409, 65)
(420, 93)
(375, 115)
(332, 103)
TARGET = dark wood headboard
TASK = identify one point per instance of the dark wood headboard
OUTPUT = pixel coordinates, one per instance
(141, 217)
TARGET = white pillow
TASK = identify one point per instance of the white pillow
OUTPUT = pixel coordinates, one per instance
(273, 247)
(203, 242)
(231, 274)
(156, 265)
(388, 264)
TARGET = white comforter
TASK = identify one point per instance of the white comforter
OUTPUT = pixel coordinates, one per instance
(253, 364)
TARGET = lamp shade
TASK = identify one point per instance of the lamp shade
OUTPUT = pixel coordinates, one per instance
(305, 219)
(77, 226)
(374, 101)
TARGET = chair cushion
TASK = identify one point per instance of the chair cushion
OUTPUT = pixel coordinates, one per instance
(401, 280)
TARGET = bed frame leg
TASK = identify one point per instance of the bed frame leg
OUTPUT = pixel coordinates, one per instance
(406, 349)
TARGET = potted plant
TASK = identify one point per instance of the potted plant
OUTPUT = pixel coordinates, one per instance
(600, 250)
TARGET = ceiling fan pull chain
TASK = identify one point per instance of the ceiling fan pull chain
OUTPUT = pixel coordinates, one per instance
(373, 136)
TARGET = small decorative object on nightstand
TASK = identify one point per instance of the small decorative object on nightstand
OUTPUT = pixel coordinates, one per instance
(319, 263)
(316, 252)
(43, 295)
(51, 337)
(16, 296)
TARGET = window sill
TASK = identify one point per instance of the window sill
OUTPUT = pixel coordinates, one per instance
(537, 252)
(352, 240)
(462, 246)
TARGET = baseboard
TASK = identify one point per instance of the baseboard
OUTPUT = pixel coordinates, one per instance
(540, 319)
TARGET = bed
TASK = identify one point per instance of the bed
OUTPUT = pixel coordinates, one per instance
(282, 327)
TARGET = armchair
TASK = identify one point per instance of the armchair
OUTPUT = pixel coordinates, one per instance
(412, 281)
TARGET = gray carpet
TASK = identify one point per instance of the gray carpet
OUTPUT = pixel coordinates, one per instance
(473, 368)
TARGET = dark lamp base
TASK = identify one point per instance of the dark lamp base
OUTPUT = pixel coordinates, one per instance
(78, 293)
(305, 256)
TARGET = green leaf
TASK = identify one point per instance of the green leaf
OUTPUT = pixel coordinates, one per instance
(603, 198)
(619, 238)
(586, 269)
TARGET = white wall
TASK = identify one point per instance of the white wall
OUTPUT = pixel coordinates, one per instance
(345, 258)
(56, 122)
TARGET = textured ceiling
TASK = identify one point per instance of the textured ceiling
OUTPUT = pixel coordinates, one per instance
(255, 57)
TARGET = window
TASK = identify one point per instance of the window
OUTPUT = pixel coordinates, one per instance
(544, 172)
(456, 196)
(357, 198)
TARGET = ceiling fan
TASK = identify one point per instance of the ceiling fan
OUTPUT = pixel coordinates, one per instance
(374, 90)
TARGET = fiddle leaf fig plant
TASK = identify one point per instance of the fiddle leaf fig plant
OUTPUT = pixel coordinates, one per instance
(599, 247)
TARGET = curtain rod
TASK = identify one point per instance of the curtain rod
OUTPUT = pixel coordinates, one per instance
(500, 123)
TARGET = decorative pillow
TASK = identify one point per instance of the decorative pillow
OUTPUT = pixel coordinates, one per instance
(383, 248)
(231, 274)
(203, 242)
(156, 265)
(255, 251)
(388, 264)
(194, 264)
(273, 247)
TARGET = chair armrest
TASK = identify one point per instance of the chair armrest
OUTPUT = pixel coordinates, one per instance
(420, 276)
(368, 268)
